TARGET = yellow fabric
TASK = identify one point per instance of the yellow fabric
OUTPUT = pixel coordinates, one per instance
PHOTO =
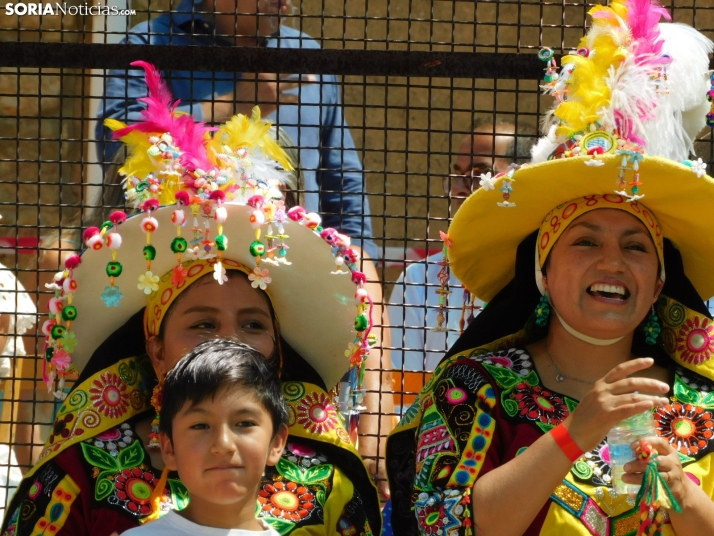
(484, 237)
(63, 495)
(159, 301)
(89, 416)
(340, 494)
(558, 220)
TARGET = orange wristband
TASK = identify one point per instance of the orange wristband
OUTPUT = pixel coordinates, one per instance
(566, 443)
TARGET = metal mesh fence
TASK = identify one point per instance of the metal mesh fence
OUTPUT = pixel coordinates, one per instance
(408, 79)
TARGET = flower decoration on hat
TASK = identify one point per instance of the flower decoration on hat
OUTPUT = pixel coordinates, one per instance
(621, 94)
(59, 339)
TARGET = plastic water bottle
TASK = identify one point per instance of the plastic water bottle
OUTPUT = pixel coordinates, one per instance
(618, 441)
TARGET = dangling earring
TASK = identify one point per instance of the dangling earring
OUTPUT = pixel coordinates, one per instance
(156, 400)
(542, 311)
(652, 328)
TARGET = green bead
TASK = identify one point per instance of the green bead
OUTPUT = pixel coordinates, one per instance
(635, 189)
(257, 248)
(221, 242)
(49, 354)
(114, 269)
(282, 252)
(179, 245)
(69, 313)
(149, 253)
(58, 331)
(361, 323)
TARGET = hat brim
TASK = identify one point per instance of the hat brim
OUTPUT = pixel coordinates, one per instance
(484, 237)
(315, 308)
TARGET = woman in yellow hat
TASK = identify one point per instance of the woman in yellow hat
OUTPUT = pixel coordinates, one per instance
(216, 254)
(594, 261)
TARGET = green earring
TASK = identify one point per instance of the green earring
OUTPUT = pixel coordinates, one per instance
(652, 328)
(542, 311)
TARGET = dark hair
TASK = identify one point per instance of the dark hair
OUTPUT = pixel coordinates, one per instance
(218, 364)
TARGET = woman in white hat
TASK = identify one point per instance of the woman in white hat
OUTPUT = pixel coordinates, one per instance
(228, 260)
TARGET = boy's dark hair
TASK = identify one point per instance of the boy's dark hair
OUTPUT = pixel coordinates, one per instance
(216, 364)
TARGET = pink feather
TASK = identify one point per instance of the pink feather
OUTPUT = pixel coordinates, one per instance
(643, 17)
(160, 116)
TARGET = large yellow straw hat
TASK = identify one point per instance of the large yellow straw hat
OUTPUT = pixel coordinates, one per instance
(630, 102)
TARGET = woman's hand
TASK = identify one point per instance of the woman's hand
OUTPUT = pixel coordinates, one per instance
(669, 467)
(613, 398)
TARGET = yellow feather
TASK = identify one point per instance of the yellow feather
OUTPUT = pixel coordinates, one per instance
(242, 131)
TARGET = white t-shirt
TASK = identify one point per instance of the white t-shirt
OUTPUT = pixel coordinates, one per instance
(172, 524)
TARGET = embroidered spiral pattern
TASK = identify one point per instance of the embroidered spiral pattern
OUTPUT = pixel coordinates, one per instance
(126, 374)
(293, 391)
(90, 418)
(137, 399)
(674, 315)
(78, 399)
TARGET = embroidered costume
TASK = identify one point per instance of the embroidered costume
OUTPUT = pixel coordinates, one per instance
(94, 475)
(620, 140)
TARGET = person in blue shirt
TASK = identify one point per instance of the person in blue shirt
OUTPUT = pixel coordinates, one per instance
(308, 107)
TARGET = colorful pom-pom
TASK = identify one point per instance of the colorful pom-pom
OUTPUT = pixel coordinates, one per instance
(47, 327)
(58, 331)
(257, 249)
(221, 214)
(55, 305)
(117, 217)
(182, 198)
(114, 269)
(149, 225)
(69, 313)
(584, 52)
(95, 242)
(218, 195)
(255, 201)
(106, 225)
(296, 213)
(361, 323)
(72, 262)
(178, 217)
(312, 221)
(351, 256)
(361, 296)
(89, 233)
(149, 253)
(150, 205)
(179, 245)
(257, 218)
(358, 278)
(221, 242)
(113, 240)
(328, 235)
(69, 285)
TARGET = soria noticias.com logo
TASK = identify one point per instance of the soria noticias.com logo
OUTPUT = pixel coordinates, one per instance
(48, 8)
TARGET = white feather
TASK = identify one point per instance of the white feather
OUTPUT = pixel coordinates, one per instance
(545, 146)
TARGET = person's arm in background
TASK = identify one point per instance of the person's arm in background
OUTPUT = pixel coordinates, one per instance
(344, 206)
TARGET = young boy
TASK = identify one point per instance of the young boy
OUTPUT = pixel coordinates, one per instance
(223, 419)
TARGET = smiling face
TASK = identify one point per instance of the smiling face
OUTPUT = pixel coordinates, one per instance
(207, 310)
(603, 274)
(220, 448)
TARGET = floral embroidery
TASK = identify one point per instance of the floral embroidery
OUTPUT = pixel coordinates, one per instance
(134, 487)
(303, 456)
(109, 395)
(513, 359)
(695, 340)
(444, 513)
(594, 466)
(538, 404)
(287, 500)
(316, 413)
(688, 428)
